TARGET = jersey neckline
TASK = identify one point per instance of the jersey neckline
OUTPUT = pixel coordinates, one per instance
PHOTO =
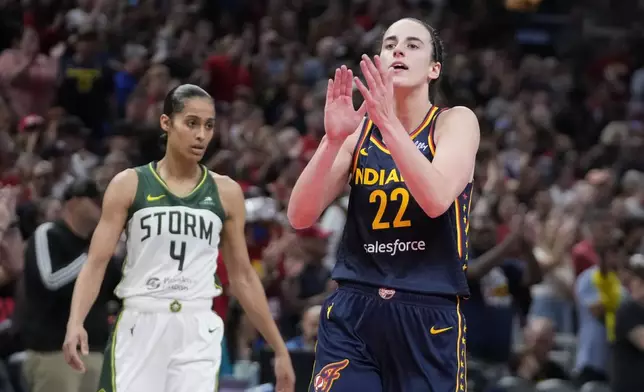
(153, 169)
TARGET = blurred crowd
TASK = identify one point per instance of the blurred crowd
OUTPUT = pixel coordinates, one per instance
(557, 224)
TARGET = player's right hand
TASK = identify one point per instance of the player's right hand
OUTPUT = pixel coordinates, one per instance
(284, 373)
(75, 338)
(340, 117)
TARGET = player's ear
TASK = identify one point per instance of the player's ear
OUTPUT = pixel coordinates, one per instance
(434, 70)
(165, 122)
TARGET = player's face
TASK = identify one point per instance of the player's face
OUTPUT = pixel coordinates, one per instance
(407, 47)
(190, 131)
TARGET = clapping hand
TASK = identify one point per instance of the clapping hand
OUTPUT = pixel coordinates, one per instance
(379, 96)
(340, 117)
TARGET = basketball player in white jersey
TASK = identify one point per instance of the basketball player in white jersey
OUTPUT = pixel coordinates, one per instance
(177, 216)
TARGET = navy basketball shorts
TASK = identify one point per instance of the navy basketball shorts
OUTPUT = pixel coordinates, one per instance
(386, 340)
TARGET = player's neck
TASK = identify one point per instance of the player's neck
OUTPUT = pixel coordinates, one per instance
(178, 167)
(411, 107)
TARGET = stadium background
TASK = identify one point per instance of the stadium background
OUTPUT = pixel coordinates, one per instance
(558, 88)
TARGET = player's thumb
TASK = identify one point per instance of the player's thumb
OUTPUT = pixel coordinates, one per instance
(84, 346)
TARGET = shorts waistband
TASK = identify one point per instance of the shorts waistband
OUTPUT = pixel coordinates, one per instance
(400, 295)
(162, 305)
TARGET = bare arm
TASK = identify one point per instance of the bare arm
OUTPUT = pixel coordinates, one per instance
(322, 180)
(492, 258)
(245, 285)
(15, 73)
(436, 184)
(118, 198)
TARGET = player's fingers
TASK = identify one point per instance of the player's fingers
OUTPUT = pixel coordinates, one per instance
(381, 68)
(367, 75)
(72, 357)
(363, 90)
(348, 83)
(329, 91)
(373, 70)
(337, 83)
(389, 81)
(84, 345)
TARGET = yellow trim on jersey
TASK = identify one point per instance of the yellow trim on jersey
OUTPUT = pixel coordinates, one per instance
(428, 119)
(459, 246)
(469, 206)
(113, 351)
(356, 156)
(458, 343)
(430, 139)
(463, 340)
(156, 175)
(315, 349)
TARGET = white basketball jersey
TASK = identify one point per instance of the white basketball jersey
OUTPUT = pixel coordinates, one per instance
(172, 242)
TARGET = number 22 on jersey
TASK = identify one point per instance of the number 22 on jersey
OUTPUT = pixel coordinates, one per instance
(398, 196)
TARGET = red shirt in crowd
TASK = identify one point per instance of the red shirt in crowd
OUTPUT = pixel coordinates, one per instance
(220, 304)
(225, 76)
(584, 256)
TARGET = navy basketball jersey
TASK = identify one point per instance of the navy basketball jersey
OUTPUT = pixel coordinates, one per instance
(388, 240)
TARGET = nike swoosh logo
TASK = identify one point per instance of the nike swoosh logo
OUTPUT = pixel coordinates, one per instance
(155, 198)
(363, 151)
(211, 330)
(436, 331)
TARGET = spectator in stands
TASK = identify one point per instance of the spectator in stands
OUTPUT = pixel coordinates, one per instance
(307, 281)
(498, 282)
(628, 350)
(599, 293)
(28, 77)
(533, 363)
(53, 258)
(308, 330)
(86, 82)
(11, 258)
(553, 298)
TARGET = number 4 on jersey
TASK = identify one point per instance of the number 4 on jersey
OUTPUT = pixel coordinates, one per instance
(179, 256)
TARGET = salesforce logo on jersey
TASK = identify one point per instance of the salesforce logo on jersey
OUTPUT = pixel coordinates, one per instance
(179, 284)
(392, 248)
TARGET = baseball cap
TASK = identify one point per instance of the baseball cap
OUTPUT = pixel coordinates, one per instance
(82, 188)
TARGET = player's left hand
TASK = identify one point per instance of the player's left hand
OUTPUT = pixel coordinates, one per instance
(379, 96)
(284, 373)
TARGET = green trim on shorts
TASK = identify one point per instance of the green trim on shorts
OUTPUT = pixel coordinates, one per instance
(107, 382)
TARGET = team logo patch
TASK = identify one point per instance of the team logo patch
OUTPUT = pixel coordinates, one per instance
(323, 381)
(386, 293)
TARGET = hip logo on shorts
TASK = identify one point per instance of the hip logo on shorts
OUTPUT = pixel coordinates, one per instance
(386, 293)
(323, 381)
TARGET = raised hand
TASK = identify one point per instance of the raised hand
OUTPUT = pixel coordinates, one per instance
(379, 96)
(340, 117)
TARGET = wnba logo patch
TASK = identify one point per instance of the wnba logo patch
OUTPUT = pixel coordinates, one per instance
(386, 293)
(323, 381)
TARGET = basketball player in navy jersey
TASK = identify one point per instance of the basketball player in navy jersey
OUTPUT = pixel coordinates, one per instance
(395, 323)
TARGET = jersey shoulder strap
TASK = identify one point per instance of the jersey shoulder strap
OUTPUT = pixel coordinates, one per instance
(148, 187)
(209, 197)
(432, 130)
